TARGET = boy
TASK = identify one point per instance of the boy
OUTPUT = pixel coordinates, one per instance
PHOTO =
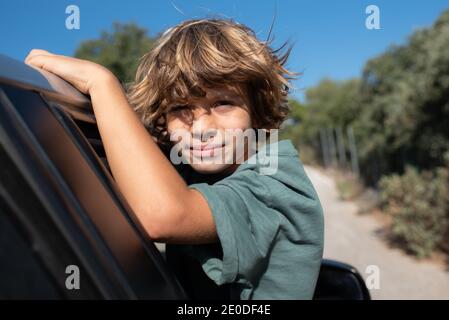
(257, 233)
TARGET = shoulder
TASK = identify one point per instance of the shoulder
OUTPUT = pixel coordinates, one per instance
(274, 170)
(263, 210)
(276, 179)
(273, 184)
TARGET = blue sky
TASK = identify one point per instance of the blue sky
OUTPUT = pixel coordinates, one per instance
(330, 37)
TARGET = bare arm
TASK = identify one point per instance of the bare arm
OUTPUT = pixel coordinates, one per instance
(168, 210)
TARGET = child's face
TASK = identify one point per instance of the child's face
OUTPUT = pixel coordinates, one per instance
(206, 123)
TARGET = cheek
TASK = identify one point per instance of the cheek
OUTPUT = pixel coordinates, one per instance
(174, 124)
(178, 131)
(236, 119)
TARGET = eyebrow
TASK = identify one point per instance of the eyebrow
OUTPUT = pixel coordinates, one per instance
(226, 95)
(213, 96)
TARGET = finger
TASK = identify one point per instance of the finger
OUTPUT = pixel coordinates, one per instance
(37, 52)
(45, 62)
(34, 53)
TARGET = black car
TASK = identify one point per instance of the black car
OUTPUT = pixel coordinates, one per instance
(61, 212)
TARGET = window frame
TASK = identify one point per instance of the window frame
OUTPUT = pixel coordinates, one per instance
(123, 286)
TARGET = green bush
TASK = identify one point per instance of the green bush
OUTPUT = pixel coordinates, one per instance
(419, 205)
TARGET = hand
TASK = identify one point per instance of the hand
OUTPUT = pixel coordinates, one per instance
(82, 74)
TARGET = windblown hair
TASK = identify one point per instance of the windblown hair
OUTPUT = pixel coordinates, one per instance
(205, 53)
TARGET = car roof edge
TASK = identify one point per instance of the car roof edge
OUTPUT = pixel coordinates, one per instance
(18, 73)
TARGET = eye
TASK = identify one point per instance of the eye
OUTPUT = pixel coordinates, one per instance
(182, 112)
(179, 108)
(223, 105)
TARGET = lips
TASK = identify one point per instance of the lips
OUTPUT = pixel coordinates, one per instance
(206, 150)
(206, 146)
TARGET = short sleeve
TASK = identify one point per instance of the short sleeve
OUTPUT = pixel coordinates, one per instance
(246, 228)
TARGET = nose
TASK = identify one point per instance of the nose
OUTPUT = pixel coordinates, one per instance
(204, 124)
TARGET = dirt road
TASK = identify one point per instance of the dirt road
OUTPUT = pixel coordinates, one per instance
(353, 238)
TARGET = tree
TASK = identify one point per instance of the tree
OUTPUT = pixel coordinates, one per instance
(405, 94)
(399, 108)
(119, 50)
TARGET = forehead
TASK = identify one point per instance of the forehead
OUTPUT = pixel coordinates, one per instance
(224, 91)
(234, 92)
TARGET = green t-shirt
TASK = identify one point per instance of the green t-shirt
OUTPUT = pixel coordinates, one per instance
(270, 228)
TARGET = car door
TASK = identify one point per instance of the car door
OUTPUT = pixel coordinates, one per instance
(60, 203)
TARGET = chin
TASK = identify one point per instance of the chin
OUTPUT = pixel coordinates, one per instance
(212, 168)
(220, 163)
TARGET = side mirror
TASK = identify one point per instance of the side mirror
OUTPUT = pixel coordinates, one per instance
(339, 281)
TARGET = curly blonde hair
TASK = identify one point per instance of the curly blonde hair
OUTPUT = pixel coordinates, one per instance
(205, 53)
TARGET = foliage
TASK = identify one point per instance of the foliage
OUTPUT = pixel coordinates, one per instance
(405, 94)
(399, 112)
(119, 50)
(419, 205)
(399, 108)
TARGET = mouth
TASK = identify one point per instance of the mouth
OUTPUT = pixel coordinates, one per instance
(206, 150)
